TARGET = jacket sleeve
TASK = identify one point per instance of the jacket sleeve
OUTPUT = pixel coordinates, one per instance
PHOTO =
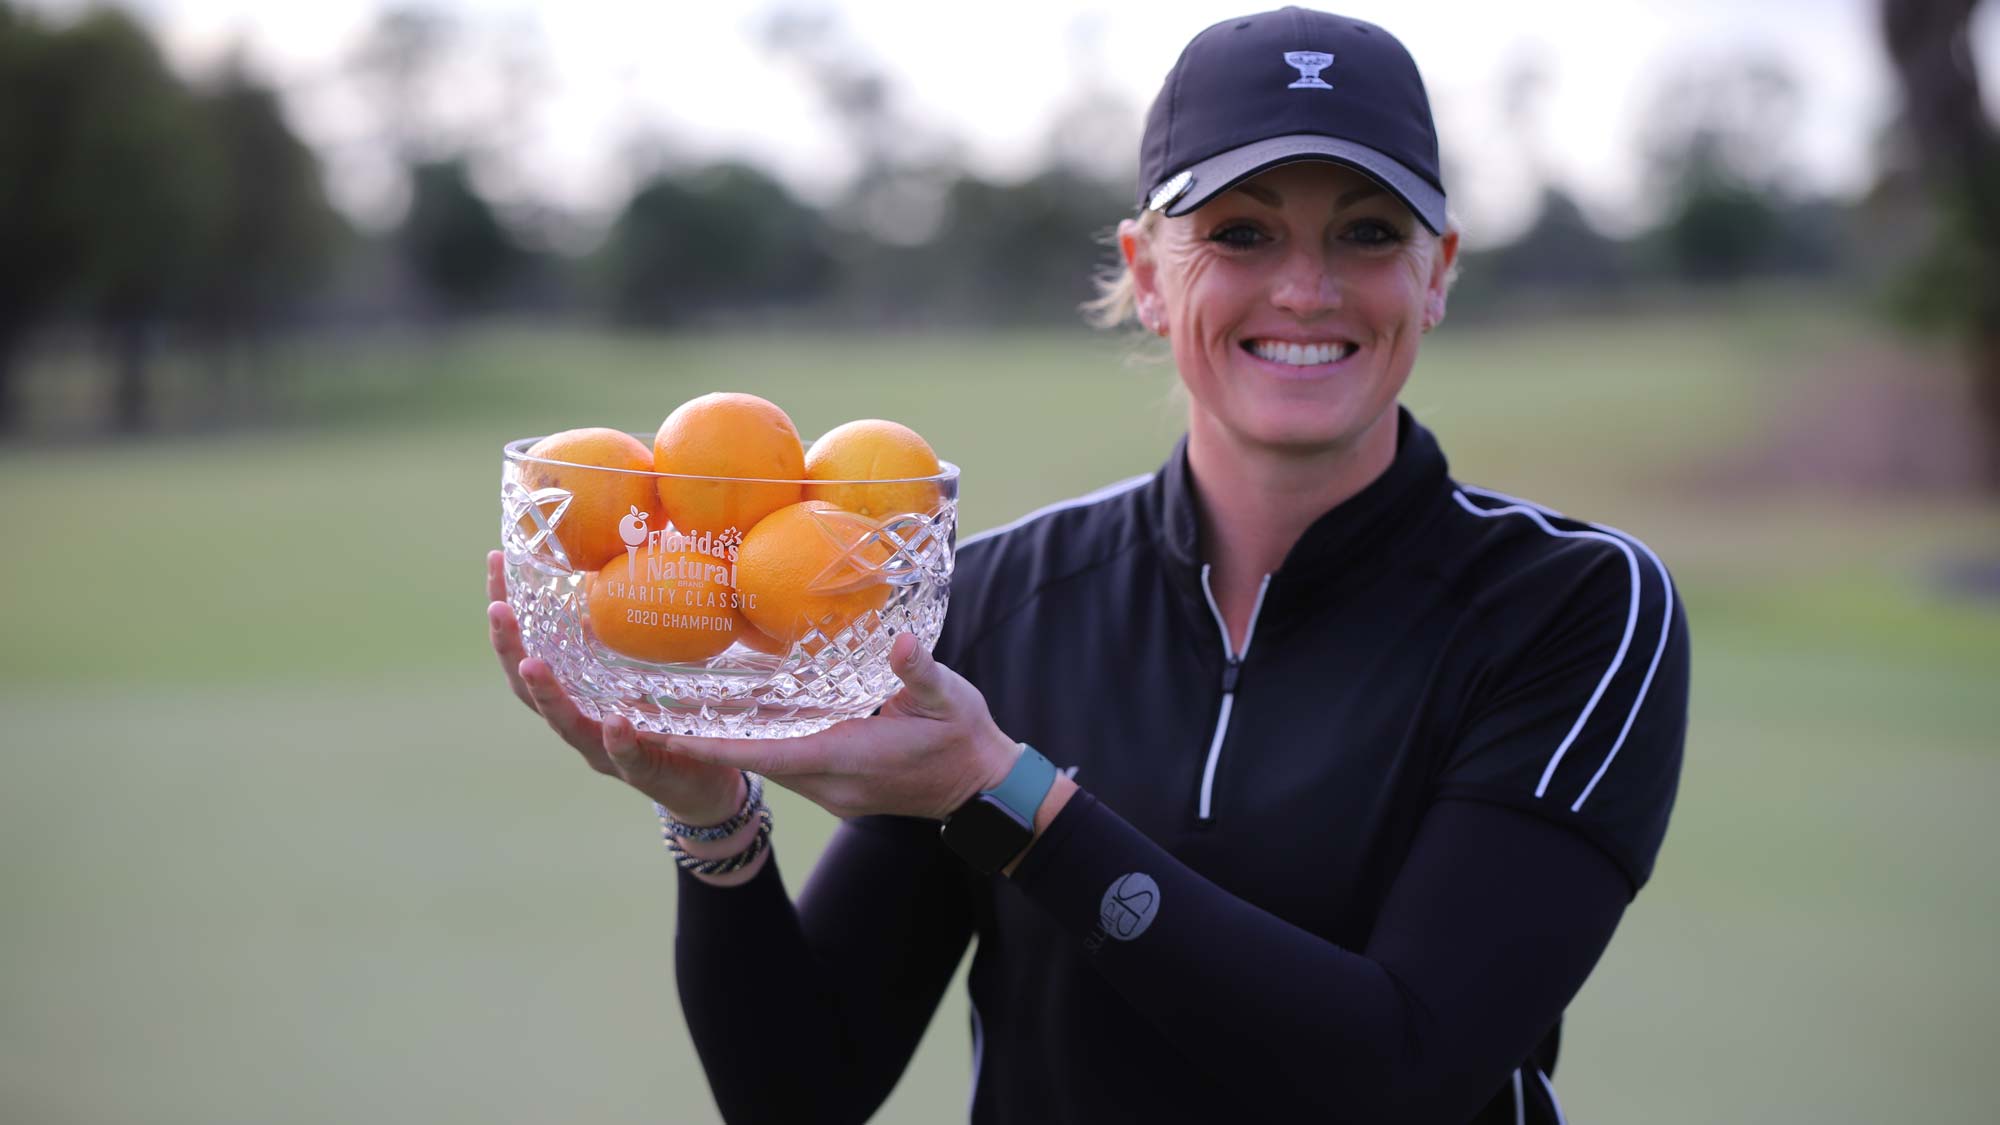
(1491, 927)
(1584, 725)
(811, 1012)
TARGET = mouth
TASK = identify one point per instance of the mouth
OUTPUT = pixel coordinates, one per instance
(1289, 353)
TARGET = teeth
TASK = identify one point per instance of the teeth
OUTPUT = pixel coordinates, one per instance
(1299, 355)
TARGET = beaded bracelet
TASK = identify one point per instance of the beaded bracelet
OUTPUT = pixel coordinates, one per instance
(728, 863)
(753, 797)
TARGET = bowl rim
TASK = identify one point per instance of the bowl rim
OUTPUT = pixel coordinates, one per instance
(516, 451)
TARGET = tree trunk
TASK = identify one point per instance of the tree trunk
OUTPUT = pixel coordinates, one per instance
(130, 392)
(1985, 360)
(10, 353)
(1930, 42)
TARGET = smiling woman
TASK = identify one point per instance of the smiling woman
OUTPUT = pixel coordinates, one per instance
(1294, 302)
(1293, 781)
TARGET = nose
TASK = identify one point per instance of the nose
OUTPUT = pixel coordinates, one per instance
(1305, 284)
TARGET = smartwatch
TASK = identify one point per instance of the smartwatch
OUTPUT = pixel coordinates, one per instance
(995, 826)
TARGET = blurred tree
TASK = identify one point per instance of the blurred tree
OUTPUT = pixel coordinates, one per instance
(1559, 250)
(1094, 130)
(274, 233)
(1958, 152)
(452, 240)
(1715, 146)
(1004, 253)
(1024, 251)
(449, 100)
(396, 66)
(41, 257)
(917, 236)
(132, 181)
(902, 168)
(1721, 229)
(722, 237)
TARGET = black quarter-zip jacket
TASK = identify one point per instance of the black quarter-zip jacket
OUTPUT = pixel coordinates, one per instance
(1353, 871)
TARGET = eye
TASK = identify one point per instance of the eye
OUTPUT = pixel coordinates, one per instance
(1238, 236)
(1374, 232)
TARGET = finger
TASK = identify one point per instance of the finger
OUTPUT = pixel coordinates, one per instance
(661, 754)
(923, 677)
(621, 746)
(642, 757)
(496, 577)
(772, 757)
(505, 634)
(561, 713)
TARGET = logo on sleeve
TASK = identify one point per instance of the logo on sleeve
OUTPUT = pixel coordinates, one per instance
(1309, 64)
(1129, 905)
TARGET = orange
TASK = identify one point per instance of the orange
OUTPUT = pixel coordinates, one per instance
(728, 435)
(605, 506)
(670, 607)
(873, 450)
(758, 640)
(810, 566)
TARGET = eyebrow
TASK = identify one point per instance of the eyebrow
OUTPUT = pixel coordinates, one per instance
(1266, 196)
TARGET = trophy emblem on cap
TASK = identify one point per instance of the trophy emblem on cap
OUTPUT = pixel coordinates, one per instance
(1309, 64)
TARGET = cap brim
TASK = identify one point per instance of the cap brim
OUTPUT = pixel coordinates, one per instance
(1219, 173)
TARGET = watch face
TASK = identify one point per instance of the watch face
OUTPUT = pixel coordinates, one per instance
(986, 834)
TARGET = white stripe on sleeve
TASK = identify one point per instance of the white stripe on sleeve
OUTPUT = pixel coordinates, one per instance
(1537, 514)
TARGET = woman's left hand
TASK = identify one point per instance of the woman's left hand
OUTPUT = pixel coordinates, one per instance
(932, 747)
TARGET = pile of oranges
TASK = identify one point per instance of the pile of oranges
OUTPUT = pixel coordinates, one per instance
(678, 567)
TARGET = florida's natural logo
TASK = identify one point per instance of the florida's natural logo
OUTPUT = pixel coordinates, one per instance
(673, 570)
(667, 554)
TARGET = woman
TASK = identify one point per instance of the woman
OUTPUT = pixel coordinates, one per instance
(1360, 766)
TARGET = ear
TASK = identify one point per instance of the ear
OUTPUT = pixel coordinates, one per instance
(1137, 249)
(1435, 291)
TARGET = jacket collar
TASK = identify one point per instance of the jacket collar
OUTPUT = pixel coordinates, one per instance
(1349, 541)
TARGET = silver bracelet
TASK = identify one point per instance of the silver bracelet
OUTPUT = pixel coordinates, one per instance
(726, 864)
(753, 798)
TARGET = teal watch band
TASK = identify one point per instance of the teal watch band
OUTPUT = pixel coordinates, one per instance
(1026, 784)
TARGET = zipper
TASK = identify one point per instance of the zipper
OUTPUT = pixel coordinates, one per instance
(1232, 677)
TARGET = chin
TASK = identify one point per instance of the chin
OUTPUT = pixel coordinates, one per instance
(1311, 428)
(1297, 435)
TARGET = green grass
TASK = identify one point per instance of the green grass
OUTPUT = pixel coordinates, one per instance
(282, 847)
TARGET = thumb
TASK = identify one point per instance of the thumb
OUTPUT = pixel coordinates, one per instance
(923, 677)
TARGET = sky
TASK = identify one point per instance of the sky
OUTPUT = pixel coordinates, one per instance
(692, 77)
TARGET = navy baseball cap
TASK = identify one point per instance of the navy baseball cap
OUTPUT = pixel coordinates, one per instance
(1255, 92)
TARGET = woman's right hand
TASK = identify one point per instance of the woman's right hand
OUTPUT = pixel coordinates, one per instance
(694, 792)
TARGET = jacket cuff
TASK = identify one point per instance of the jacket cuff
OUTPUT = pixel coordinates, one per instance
(1069, 872)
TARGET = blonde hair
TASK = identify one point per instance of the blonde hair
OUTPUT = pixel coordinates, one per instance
(1117, 298)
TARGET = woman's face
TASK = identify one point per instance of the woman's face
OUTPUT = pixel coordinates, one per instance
(1294, 303)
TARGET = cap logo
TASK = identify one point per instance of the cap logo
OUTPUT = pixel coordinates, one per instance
(1309, 64)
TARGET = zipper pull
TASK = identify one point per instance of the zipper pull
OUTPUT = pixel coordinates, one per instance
(1231, 672)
